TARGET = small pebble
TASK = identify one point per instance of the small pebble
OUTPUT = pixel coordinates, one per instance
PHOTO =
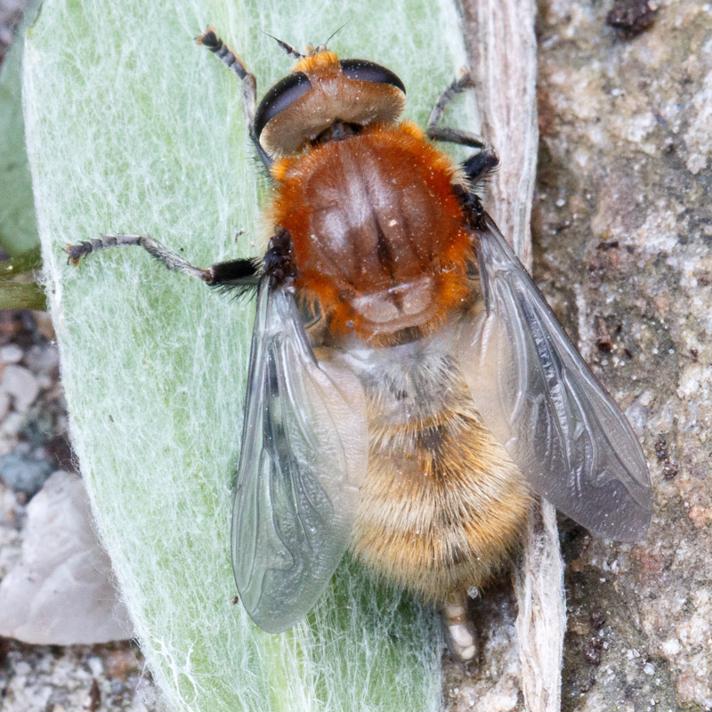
(42, 359)
(4, 404)
(24, 474)
(120, 664)
(96, 665)
(11, 424)
(45, 381)
(10, 353)
(23, 668)
(21, 385)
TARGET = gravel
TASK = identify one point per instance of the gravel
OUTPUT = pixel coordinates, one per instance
(33, 444)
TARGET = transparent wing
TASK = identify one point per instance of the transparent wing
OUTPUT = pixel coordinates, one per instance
(304, 454)
(540, 399)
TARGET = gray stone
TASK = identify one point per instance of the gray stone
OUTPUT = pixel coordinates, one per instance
(42, 359)
(10, 353)
(61, 592)
(622, 250)
(22, 473)
(21, 384)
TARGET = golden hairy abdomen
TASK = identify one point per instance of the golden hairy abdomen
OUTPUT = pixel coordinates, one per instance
(442, 505)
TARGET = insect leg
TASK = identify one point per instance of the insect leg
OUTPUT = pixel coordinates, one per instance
(239, 276)
(482, 162)
(249, 84)
(458, 628)
(237, 273)
(479, 165)
(166, 257)
(439, 133)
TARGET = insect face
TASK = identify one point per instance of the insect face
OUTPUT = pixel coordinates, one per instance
(323, 92)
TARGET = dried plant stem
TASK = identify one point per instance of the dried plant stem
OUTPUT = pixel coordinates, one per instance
(503, 44)
(503, 47)
(541, 621)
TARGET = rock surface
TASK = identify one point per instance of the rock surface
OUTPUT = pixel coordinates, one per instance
(96, 678)
(62, 591)
(623, 230)
(99, 678)
(622, 238)
(106, 678)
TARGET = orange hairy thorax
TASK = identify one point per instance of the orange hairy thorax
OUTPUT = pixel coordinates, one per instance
(377, 231)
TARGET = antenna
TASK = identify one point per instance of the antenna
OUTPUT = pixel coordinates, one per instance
(286, 46)
(334, 33)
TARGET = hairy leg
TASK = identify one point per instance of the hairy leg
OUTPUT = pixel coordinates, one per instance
(482, 162)
(249, 84)
(450, 135)
(239, 273)
(458, 628)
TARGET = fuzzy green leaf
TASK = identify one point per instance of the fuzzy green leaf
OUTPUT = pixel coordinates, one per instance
(133, 128)
(18, 227)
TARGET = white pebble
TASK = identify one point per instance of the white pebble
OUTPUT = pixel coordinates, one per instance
(96, 666)
(11, 424)
(671, 646)
(4, 404)
(22, 668)
(10, 353)
(21, 385)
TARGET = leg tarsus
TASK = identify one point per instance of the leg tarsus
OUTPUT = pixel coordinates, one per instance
(457, 86)
(233, 275)
(166, 257)
(232, 61)
(479, 164)
(459, 630)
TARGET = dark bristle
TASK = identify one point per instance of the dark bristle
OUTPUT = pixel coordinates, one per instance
(237, 292)
(480, 165)
(235, 270)
(238, 278)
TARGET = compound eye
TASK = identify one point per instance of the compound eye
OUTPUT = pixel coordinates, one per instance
(282, 95)
(365, 71)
